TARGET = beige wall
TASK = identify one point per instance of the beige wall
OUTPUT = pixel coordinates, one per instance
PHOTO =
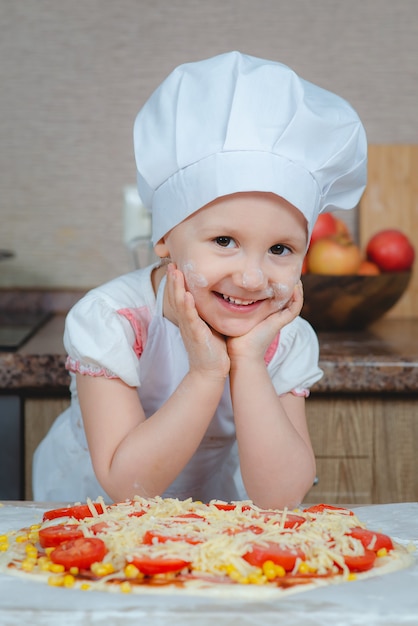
(74, 74)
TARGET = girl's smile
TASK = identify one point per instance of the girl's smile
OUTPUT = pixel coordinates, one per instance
(241, 257)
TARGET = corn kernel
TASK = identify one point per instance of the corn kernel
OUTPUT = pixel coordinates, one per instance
(126, 587)
(21, 538)
(31, 550)
(269, 570)
(4, 538)
(74, 570)
(43, 563)
(352, 576)
(234, 575)
(303, 568)
(102, 569)
(56, 581)
(48, 551)
(85, 586)
(56, 568)
(382, 552)
(4, 547)
(35, 527)
(27, 565)
(257, 579)
(131, 571)
(243, 580)
(69, 581)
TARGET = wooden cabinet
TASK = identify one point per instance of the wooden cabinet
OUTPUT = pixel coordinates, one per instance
(365, 445)
(39, 414)
(365, 448)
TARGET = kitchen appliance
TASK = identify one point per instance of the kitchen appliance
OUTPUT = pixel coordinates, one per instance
(17, 326)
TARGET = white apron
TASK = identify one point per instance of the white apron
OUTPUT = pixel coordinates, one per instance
(62, 469)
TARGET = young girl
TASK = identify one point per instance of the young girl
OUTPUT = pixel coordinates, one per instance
(189, 377)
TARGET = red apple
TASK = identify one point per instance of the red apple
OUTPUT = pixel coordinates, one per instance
(325, 225)
(335, 255)
(391, 250)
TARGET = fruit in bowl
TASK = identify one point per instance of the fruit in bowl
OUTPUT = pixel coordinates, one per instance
(351, 301)
(346, 288)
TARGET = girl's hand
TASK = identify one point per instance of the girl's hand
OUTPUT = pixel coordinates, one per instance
(206, 349)
(255, 343)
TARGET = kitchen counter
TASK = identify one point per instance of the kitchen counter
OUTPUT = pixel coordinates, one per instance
(383, 358)
(388, 600)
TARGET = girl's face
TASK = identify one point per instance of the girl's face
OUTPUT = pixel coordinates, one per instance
(241, 257)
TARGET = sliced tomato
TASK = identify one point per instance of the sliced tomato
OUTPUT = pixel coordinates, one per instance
(256, 530)
(152, 536)
(286, 557)
(225, 506)
(102, 527)
(371, 540)
(186, 516)
(53, 536)
(150, 566)
(360, 563)
(292, 521)
(323, 508)
(79, 553)
(78, 511)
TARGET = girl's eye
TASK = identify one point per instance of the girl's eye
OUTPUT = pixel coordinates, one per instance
(225, 242)
(280, 249)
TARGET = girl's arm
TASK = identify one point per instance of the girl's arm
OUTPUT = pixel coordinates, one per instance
(276, 456)
(133, 455)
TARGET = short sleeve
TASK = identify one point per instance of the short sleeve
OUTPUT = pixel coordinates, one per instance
(294, 367)
(100, 341)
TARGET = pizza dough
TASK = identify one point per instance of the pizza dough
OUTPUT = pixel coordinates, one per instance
(162, 546)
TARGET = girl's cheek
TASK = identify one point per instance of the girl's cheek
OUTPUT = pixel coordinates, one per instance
(194, 279)
(283, 290)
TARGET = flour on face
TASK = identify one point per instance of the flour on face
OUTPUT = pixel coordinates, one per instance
(193, 279)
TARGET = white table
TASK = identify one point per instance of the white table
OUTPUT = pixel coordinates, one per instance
(390, 600)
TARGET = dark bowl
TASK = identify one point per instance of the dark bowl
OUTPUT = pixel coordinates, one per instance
(350, 302)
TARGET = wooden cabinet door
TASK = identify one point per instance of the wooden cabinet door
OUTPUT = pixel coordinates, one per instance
(39, 414)
(341, 430)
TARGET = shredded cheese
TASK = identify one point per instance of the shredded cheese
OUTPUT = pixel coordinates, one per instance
(213, 539)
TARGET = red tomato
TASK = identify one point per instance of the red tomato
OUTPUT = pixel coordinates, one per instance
(78, 511)
(241, 529)
(102, 527)
(391, 250)
(273, 552)
(224, 506)
(79, 553)
(150, 567)
(151, 537)
(362, 562)
(321, 508)
(293, 521)
(53, 536)
(371, 540)
(184, 518)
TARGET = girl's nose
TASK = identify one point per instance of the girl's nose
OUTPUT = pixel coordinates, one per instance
(252, 278)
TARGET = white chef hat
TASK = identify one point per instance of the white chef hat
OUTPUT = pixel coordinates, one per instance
(235, 123)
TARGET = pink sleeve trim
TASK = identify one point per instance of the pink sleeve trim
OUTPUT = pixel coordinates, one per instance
(301, 392)
(271, 350)
(139, 319)
(76, 367)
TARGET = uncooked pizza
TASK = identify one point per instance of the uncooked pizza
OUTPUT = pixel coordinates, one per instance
(182, 546)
